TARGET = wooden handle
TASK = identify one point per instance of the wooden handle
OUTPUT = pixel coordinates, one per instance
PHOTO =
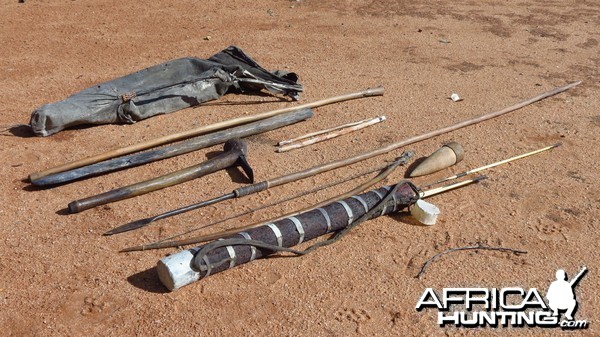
(222, 161)
(378, 91)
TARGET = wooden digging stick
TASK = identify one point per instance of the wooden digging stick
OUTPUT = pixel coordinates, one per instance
(378, 91)
(261, 186)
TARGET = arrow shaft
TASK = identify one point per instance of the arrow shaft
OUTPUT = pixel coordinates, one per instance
(478, 169)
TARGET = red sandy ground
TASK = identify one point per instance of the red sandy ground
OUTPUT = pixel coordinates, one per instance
(60, 277)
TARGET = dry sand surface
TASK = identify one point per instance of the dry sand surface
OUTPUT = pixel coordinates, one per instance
(60, 277)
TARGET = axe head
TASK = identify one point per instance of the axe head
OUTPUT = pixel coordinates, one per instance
(240, 146)
(243, 162)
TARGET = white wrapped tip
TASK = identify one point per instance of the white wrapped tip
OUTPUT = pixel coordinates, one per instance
(175, 271)
(425, 212)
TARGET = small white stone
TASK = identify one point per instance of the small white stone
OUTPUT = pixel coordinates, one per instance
(455, 97)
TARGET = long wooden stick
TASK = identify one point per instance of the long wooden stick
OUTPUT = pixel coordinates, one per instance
(261, 186)
(329, 135)
(378, 91)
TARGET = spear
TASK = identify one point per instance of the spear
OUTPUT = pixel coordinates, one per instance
(381, 176)
(203, 238)
(146, 221)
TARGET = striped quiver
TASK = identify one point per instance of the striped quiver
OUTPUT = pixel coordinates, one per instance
(179, 269)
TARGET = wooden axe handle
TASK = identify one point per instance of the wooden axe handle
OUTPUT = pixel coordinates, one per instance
(234, 149)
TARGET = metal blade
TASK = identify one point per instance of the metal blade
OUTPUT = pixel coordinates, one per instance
(145, 222)
(130, 226)
(243, 162)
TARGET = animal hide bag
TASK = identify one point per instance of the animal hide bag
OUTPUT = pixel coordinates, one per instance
(163, 88)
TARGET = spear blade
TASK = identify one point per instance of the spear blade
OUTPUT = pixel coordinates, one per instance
(130, 226)
(145, 222)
